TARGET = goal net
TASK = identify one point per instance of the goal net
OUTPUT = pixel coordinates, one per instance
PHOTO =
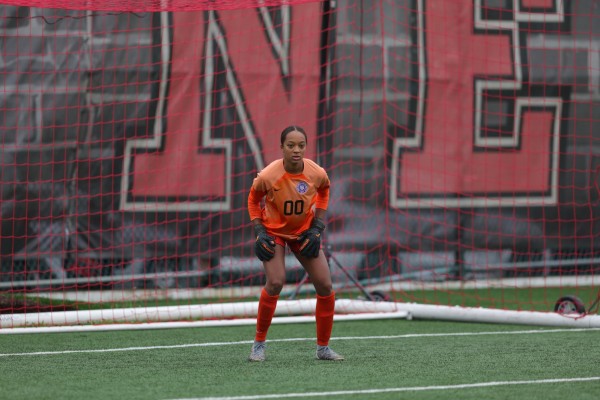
(462, 139)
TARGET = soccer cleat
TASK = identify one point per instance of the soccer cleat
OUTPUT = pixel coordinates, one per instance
(258, 352)
(325, 353)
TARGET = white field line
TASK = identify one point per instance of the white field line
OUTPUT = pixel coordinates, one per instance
(247, 342)
(399, 389)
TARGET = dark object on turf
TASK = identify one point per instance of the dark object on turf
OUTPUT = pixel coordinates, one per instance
(569, 305)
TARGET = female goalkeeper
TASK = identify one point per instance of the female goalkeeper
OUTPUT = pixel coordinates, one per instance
(291, 186)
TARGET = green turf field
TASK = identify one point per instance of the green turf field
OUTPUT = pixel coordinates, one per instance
(387, 359)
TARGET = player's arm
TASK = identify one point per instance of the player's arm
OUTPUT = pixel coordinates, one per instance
(311, 238)
(254, 199)
(264, 246)
(322, 200)
(320, 213)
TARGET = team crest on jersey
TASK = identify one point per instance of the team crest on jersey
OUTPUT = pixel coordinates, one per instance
(302, 187)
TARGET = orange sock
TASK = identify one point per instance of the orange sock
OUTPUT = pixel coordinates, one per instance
(324, 318)
(266, 309)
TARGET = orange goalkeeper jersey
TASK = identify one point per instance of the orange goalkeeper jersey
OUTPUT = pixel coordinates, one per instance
(289, 198)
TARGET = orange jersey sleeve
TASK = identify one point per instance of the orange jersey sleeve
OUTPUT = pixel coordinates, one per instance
(254, 199)
(289, 198)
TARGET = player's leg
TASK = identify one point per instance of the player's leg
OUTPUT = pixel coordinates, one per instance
(275, 274)
(318, 271)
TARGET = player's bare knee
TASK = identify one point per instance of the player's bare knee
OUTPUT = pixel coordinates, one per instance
(323, 289)
(273, 288)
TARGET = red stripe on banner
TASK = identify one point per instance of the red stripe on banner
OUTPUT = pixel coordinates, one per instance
(538, 3)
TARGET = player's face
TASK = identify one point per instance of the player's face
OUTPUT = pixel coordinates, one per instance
(294, 147)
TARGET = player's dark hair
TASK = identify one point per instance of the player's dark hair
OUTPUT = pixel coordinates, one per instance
(292, 128)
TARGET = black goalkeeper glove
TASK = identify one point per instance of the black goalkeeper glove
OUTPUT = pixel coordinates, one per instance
(264, 247)
(310, 239)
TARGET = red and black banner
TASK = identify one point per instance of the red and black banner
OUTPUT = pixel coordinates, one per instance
(146, 141)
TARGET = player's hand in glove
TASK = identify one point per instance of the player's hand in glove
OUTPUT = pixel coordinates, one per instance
(264, 247)
(310, 239)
